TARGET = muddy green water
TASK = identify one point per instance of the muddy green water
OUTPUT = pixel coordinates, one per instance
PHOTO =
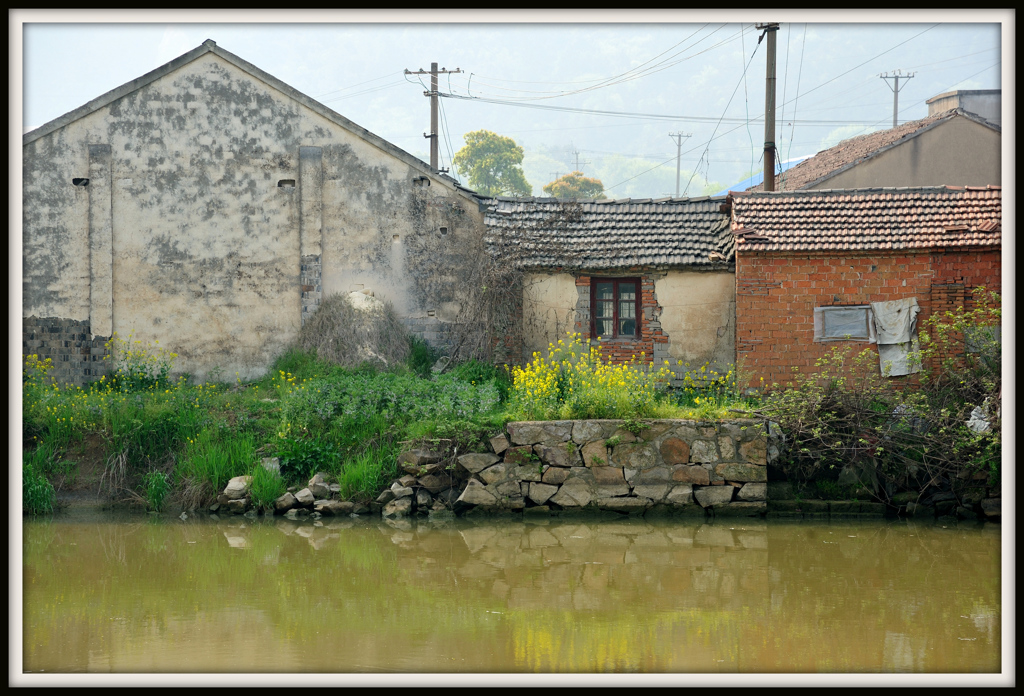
(148, 594)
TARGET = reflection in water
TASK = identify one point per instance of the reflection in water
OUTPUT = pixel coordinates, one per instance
(356, 595)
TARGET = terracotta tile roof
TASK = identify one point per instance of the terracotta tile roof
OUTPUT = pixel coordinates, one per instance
(869, 219)
(596, 235)
(848, 153)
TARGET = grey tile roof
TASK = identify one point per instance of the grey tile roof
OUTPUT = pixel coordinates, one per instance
(597, 235)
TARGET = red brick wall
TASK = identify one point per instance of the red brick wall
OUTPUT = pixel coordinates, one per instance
(776, 293)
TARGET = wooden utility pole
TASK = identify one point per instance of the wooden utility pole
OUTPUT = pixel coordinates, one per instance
(769, 106)
(896, 75)
(434, 72)
(678, 137)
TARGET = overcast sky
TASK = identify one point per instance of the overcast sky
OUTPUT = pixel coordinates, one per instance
(699, 74)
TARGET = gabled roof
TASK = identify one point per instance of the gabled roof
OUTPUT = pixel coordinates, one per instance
(209, 46)
(849, 153)
(603, 235)
(868, 219)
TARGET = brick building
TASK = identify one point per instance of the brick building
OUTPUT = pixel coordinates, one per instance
(803, 256)
(641, 279)
(953, 147)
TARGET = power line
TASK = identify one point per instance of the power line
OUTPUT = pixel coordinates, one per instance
(742, 77)
(641, 115)
(632, 74)
(792, 130)
(342, 89)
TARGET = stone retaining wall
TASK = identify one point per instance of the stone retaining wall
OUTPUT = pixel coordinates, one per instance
(665, 467)
(672, 466)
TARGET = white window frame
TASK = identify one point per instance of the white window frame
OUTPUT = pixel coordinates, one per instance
(866, 335)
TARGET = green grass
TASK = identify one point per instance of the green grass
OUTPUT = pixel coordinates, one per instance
(364, 475)
(37, 493)
(265, 487)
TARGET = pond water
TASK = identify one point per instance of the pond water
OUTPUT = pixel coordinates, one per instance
(160, 594)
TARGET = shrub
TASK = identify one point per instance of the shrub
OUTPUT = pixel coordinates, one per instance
(574, 382)
(399, 398)
(421, 356)
(340, 333)
(138, 366)
(895, 435)
(302, 457)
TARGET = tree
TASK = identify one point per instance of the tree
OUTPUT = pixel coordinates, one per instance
(492, 163)
(575, 185)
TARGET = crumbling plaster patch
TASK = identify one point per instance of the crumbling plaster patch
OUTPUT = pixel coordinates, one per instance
(206, 246)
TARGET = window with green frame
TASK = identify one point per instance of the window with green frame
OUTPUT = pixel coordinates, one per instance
(614, 307)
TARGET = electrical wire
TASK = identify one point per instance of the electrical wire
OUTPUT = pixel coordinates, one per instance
(631, 74)
(746, 106)
(641, 115)
(742, 77)
(342, 89)
(448, 138)
(365, 91)
(792, 132)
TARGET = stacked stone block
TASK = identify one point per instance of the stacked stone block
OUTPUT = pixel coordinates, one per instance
(670, 466)
(76, 354)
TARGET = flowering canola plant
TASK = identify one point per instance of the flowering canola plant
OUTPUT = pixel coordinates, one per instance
(574, 382)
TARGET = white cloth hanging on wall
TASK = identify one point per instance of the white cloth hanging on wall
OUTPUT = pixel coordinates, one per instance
(896, 327)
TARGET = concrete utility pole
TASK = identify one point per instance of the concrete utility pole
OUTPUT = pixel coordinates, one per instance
(434, 72)
(769, 105)
(678, 137)
(896, 75)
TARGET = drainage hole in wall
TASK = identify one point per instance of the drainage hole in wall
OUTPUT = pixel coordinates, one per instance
(286, 183)
(444, 230)
(78, 181)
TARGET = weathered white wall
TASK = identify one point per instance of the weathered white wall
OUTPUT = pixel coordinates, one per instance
(202, 244)
(699, 316)
(549, 309)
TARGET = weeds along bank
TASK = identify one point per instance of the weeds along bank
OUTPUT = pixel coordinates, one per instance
(144, 438)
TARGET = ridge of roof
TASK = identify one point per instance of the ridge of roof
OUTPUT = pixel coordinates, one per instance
(887, 139)
(210, 46)
(865, 190)
(604, 201)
